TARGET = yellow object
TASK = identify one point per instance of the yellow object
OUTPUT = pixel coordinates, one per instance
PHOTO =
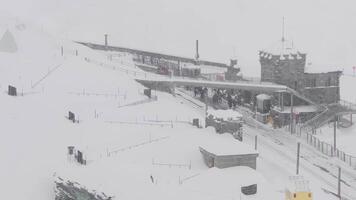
(298, 195)
(298, 189)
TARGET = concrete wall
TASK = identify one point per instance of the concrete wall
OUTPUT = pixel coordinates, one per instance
(225, 161)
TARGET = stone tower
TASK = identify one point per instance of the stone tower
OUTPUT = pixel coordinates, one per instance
(283, 65)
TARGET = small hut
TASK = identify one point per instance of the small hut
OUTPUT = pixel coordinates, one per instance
(224, 152)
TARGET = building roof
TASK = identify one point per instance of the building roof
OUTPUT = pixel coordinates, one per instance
(225, 114)
(312, 68)
(224, 181)
(263, 97)
(280, 47)
(298, 184)
(301, 109)
(225, 146)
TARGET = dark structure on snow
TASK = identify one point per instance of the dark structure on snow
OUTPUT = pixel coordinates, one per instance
(286, 66)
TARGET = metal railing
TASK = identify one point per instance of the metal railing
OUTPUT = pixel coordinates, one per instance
(349, 105)
(328, 149)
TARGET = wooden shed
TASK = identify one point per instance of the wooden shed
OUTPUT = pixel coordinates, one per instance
(227, 152)
(232, 182)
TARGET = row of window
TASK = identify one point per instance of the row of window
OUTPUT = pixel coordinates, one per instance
(314, 83)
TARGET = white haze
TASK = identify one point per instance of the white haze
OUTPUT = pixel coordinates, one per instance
(226, 28)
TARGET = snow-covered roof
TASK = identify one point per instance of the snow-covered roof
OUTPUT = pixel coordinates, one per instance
(263, 97)
(224, 181)
(220, 146)
(225, 114)
(191, 66)
(298, 184)
(320, 68)
(280, 47)
(208, 69)
(301, 109)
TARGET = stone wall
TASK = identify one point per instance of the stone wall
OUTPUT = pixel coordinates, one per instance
(71, 190)
(286, 70)
(322, 87)
(322, 79)
(289, 70)
(323, 95)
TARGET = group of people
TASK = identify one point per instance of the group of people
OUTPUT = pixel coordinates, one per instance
(233, 98)
(200, 91)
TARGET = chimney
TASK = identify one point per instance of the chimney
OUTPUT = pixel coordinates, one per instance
(106, 40)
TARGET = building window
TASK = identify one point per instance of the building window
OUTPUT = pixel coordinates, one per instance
(313, 83)
(328, 82)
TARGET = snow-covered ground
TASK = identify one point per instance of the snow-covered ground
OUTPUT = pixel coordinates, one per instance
(345, 136)
(347, 90)
(124, 145)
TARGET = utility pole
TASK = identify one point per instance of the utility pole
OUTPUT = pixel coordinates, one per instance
(282, 104)
(351, 118)
(335, 136)
(206, 108)
(339, 183)
(255, 142)
(197, 51)
(298, 155)
(291, 113)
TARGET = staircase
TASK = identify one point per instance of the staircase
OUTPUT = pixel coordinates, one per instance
(331, 111)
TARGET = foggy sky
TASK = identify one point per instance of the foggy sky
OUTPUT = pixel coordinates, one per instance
(226, 28)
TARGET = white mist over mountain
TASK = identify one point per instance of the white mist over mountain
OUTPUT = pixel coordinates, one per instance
(229, 28)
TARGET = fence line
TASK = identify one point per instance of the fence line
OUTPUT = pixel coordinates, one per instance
(154, 98)
(140, 123)
(109, 153)
(114, 95)
(189, 166)
(187, 178)
(328, 149)
(46, 75)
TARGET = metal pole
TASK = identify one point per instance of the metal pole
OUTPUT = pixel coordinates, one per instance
(339, 184)
(335, 135)
(298, 153)
(255, 142)
(291, 113)
(206, 109)
(282, 105)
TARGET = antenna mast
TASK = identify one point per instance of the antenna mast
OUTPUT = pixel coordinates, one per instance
(283, 34)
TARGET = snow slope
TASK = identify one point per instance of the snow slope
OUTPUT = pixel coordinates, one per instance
(124, 145)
